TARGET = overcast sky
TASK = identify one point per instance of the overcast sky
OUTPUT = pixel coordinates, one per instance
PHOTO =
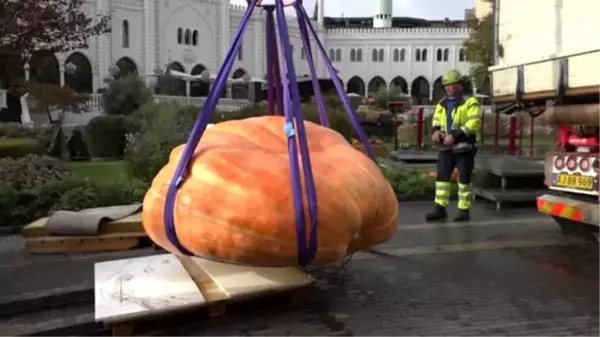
(426, 9)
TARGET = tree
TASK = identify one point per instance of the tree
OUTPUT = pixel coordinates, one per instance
(51, 97)
(480, 46)
(28, 27)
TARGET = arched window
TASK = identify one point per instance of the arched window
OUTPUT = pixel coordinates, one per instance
(374, 56)
(359, 55)
(439, 55)
(331, 55)
(195, 38)
(402, 55)
(396, 55)
(380, 55)
(424, 55)
(125, 32)
(179, 35)
(446, 51)
(418, 55)
(188, 37)
(338, 55)
(352, 55)
(462, 55)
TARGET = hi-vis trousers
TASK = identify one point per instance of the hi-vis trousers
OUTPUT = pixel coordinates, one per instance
(464, 163)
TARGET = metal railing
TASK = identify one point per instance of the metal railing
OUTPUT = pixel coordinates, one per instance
(518, 134)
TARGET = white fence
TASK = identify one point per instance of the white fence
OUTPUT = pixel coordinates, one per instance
(96, 103)
(94, 106)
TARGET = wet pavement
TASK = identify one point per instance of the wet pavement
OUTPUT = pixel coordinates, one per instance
(504, 273)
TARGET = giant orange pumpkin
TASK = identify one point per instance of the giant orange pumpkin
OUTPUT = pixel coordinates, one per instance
(236, 203)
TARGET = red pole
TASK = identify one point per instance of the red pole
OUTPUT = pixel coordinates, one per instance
(512, 135)
(531, 136)
(496, 132)
(420, 127)
(520, 134)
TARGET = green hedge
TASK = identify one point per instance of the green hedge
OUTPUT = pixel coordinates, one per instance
(105, 135)
(34, 186)
(19, 147)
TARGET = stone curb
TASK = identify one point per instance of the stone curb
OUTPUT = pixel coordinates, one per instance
(45, 299)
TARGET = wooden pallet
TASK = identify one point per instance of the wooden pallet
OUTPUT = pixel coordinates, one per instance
(123, 234)
(150, 295)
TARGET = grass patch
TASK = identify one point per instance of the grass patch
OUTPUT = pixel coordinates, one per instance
(100, 172)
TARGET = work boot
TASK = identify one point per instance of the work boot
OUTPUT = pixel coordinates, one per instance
(462, 215)
(438, 213)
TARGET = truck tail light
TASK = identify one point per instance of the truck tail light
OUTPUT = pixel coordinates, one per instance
(572, 163)
(559, 162)
(584, 164)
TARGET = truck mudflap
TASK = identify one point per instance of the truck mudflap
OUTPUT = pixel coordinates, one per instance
(570, 209)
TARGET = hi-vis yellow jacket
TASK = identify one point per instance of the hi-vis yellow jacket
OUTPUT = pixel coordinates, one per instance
(466, 120)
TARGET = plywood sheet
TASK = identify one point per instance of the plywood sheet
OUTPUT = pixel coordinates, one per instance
(142, 287)
(83, 244)
(240, 281)
(129, 224)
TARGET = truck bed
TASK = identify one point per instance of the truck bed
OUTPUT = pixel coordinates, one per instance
(544, 40)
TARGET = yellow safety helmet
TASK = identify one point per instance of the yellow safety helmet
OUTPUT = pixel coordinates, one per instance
(453, 76)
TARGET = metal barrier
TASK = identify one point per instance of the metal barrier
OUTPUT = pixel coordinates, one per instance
(517, 135)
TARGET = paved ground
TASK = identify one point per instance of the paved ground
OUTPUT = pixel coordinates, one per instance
(505, 273)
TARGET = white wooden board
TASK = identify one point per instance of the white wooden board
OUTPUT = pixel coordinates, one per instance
(141, 287)
(239, 281)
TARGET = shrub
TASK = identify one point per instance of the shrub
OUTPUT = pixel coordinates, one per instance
(105, 135)
(31, 171)
(81, 194)
(125, 95)
(409, 181)
(162, 127)
(76, 146)
(19, 147)
(16, 130)
(25, 186)
(394, 93)
(32, 187)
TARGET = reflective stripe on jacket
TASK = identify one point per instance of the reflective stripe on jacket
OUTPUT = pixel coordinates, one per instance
(466, 120)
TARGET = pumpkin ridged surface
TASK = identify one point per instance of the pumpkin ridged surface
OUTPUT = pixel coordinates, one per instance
(236, 203)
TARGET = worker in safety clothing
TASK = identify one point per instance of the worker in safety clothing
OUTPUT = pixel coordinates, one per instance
(456, 125)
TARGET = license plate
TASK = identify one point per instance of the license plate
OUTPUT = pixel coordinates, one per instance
(576, 182)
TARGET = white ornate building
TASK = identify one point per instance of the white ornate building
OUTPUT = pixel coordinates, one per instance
(193, 35)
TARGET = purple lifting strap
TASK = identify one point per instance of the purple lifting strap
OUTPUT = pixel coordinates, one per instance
(338, 86)
(198, 130)
(273, 51)
(311, 66)
(295, 124)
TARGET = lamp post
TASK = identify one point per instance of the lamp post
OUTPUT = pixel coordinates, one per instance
(70, 68)
(114, 71)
